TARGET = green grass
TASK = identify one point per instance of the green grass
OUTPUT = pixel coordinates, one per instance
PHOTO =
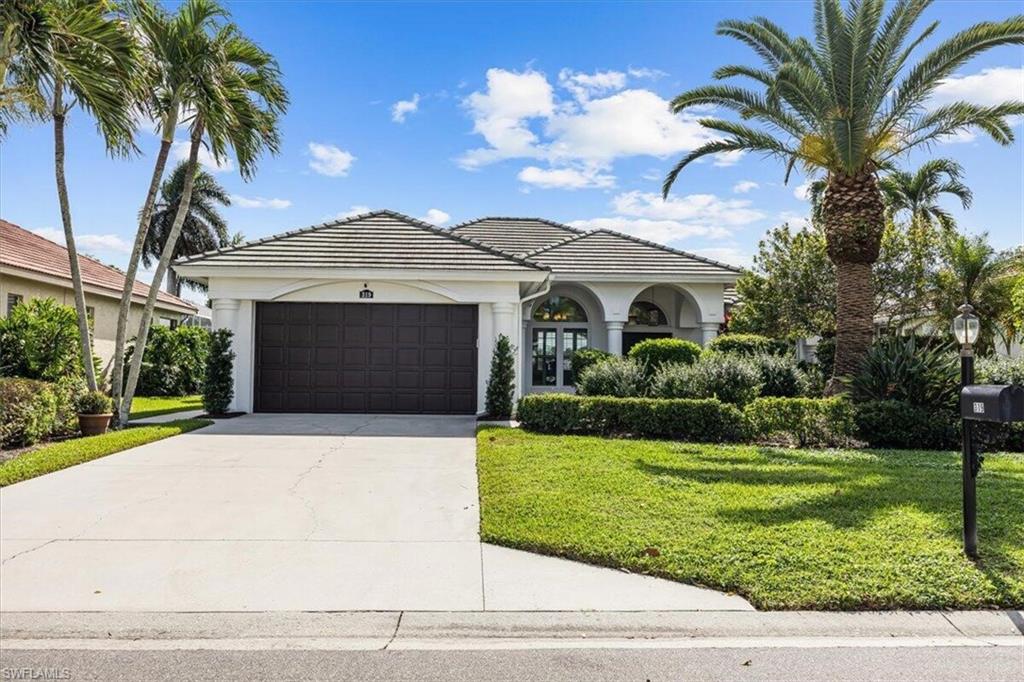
(57, 456)
(154, 406)
(787, 529)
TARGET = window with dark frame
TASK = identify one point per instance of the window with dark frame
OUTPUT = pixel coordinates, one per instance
(13, 300)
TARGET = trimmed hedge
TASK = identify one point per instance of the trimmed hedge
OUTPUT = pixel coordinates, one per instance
(706, 420)
(806, 421)
(749, 344)
(898, 424)
(173, 361)
(28, 411)
(653, 353)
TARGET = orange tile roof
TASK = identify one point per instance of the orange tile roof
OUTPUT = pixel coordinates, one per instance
(25, 250)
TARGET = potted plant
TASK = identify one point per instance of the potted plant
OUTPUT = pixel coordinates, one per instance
(95, 410)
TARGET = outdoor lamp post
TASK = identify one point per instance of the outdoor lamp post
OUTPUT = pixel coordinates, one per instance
(965, 329)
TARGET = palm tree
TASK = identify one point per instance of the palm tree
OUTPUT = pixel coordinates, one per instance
(974, 272)
(237, 99)
(847, 105)
(204, 227)
(57, 55)
(175, 45)
(917, 194)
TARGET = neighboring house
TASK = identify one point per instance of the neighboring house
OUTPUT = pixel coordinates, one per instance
(382, 313)
(34, 267)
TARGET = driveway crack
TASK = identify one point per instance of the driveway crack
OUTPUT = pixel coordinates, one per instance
(394, 634)
(28, 551)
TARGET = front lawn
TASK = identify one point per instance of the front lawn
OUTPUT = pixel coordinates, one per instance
(154, 406)
(787, 529)
(57, 456)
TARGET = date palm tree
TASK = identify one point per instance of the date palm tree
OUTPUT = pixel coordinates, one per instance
(847, 105)
(175, 49)
(58, 55)
(238, 98)
(204, 228)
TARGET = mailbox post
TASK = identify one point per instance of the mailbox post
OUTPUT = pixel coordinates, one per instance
(965, 328)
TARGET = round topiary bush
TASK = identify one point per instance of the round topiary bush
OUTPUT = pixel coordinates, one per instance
(619, 377)
(653, 353)
(749, 344)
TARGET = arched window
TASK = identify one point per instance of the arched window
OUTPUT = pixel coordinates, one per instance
(560, 309)
(646, 314)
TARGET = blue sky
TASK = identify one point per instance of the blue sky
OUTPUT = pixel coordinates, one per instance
(454, 111)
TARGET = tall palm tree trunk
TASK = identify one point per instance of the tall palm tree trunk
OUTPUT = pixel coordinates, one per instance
(161, 269)
(854, 216)
(117, 371)
(59, 113)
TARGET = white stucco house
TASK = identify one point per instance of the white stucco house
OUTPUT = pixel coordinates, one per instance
(383, 313)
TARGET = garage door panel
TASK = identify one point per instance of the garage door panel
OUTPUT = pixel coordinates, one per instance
(366, 357)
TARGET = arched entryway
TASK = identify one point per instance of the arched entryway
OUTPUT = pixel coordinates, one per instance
(661, 311)
(558, 326)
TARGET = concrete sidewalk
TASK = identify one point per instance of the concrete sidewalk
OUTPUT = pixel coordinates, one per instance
(510, 630)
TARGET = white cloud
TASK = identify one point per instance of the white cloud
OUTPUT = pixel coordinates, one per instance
(795, 220)
(180, 149)
(436, 216)
(565, 178)
(330, 160)
(661, 231)
(87, 242)
(352, 211)
(726, 159)
(990, 86)
(259, 202)
(404, 107)
(803, 191)
(726, 254)
(519, 116)
(501, 115)
(583, 86)
(744, 186)
(644, 72)
(700, 208)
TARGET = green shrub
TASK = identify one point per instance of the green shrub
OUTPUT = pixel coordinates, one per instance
(691, 420)
(219, 385)
(805, 421)
(781, 376)
(174, 361)
(501, 382)
(587, 357)
(28, 411)
(653, 353)
(999, 370)
(619, 377)
(39, 340)
(825, 354)
(749, 344)
(95, 402)
(729, 378)
(910, 370)
(67, 392)
(899, 424)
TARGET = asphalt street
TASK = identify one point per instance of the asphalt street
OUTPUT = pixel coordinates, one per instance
(935, 664)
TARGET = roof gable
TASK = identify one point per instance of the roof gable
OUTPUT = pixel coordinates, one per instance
(606, 252)
(515, 235)
(25, 250)
(383, 240)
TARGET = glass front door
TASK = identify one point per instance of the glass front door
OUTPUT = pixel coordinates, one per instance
(553, 349)
(572, 341)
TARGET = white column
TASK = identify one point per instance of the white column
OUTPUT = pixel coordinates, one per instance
(614, 337)
(708, 332)
(225, 316)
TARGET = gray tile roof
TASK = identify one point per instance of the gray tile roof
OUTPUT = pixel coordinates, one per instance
(515, 235)
(605, 252)
(381, 239)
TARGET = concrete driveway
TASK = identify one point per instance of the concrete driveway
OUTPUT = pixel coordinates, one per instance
(290, 513)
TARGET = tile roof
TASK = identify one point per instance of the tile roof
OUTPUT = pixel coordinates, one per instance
(25, 250)
(515, 235)
(381, 239)
(606, 252)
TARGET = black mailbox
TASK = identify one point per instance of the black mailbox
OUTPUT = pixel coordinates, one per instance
(992, 403)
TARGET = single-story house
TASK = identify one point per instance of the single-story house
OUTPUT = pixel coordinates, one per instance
(383, 313)
(32, 266)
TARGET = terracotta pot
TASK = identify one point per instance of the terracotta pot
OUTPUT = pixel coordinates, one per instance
(94, 424)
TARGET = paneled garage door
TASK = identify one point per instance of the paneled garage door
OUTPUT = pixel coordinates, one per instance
(366, 357)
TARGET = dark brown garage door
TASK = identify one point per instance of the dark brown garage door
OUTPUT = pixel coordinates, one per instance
(366, 357)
